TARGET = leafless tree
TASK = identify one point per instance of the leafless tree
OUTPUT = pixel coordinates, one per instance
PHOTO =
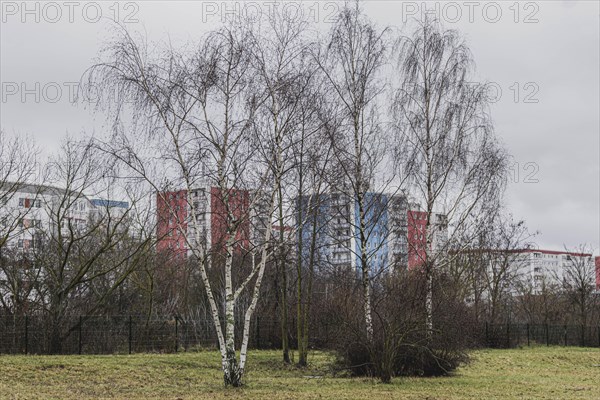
(352, 63)
(542, 304)
(446, 147)
(311, 173)
(197, 111)
(83, 252)
(18, 166)
(578, 282)
(503, 261)
(285, 74)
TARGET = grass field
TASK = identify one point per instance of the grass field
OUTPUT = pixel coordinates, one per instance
(531, 373)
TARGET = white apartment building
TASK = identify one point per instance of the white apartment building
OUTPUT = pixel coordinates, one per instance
(535, 267)
(26, 211)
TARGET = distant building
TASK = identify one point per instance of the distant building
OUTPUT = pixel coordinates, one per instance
(116, 209)
(390, 227)
(533, 269)
(214, 212)
(597, 263)
(417, 236)
(31, 214)
(29, 211)
(536, 267)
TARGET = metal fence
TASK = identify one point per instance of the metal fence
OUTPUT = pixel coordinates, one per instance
(132, 334)
(136, 334)
(515, 335)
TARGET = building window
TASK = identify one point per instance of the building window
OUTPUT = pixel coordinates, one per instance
(21, 202)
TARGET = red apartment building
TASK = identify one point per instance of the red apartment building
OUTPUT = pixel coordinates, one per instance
(175, 229)
(417, 238)
(172, 219)
(239, 205)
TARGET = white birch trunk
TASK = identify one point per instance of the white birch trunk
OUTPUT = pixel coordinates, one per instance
(231, 372)
(256, 292)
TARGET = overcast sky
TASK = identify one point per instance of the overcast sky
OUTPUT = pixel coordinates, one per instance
(543, 57)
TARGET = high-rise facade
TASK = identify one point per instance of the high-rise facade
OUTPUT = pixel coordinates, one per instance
(241, 211)
(417, 236)
(335, 222)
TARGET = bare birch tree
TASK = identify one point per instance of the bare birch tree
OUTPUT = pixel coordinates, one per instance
(196, 111)
(285, 74)
(352, 62)
(311, 180)
(447, 150)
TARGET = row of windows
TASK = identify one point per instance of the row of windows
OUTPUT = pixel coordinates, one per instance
(29, 243)
(30, 223)
(29, 203)
(75, 222)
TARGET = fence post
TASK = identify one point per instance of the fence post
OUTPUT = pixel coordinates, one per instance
(598, 335)
(26, 334)
(582, 336)
(547, 336)
(528, 344)
(80, 323)
(129, 336)
(176, 334)
(565, 327)
(508, 335)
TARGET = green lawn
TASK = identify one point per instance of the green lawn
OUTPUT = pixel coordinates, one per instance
(535, 373)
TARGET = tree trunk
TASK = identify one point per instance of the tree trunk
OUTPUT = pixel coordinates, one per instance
(55, 335)
(303, 327)
(282, 262)
(232, 373)
(428, 300)
(366, 283)
(302, 361)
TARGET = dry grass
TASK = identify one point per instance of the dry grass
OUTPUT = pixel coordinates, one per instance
(535, 373)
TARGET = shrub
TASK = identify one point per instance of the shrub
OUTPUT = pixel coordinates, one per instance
(401, 346)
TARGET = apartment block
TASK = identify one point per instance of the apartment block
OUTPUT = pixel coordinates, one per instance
(536, 267)
(27, 212)
(388, 221)
(215, 211)
(33, 214)
(417, 236)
